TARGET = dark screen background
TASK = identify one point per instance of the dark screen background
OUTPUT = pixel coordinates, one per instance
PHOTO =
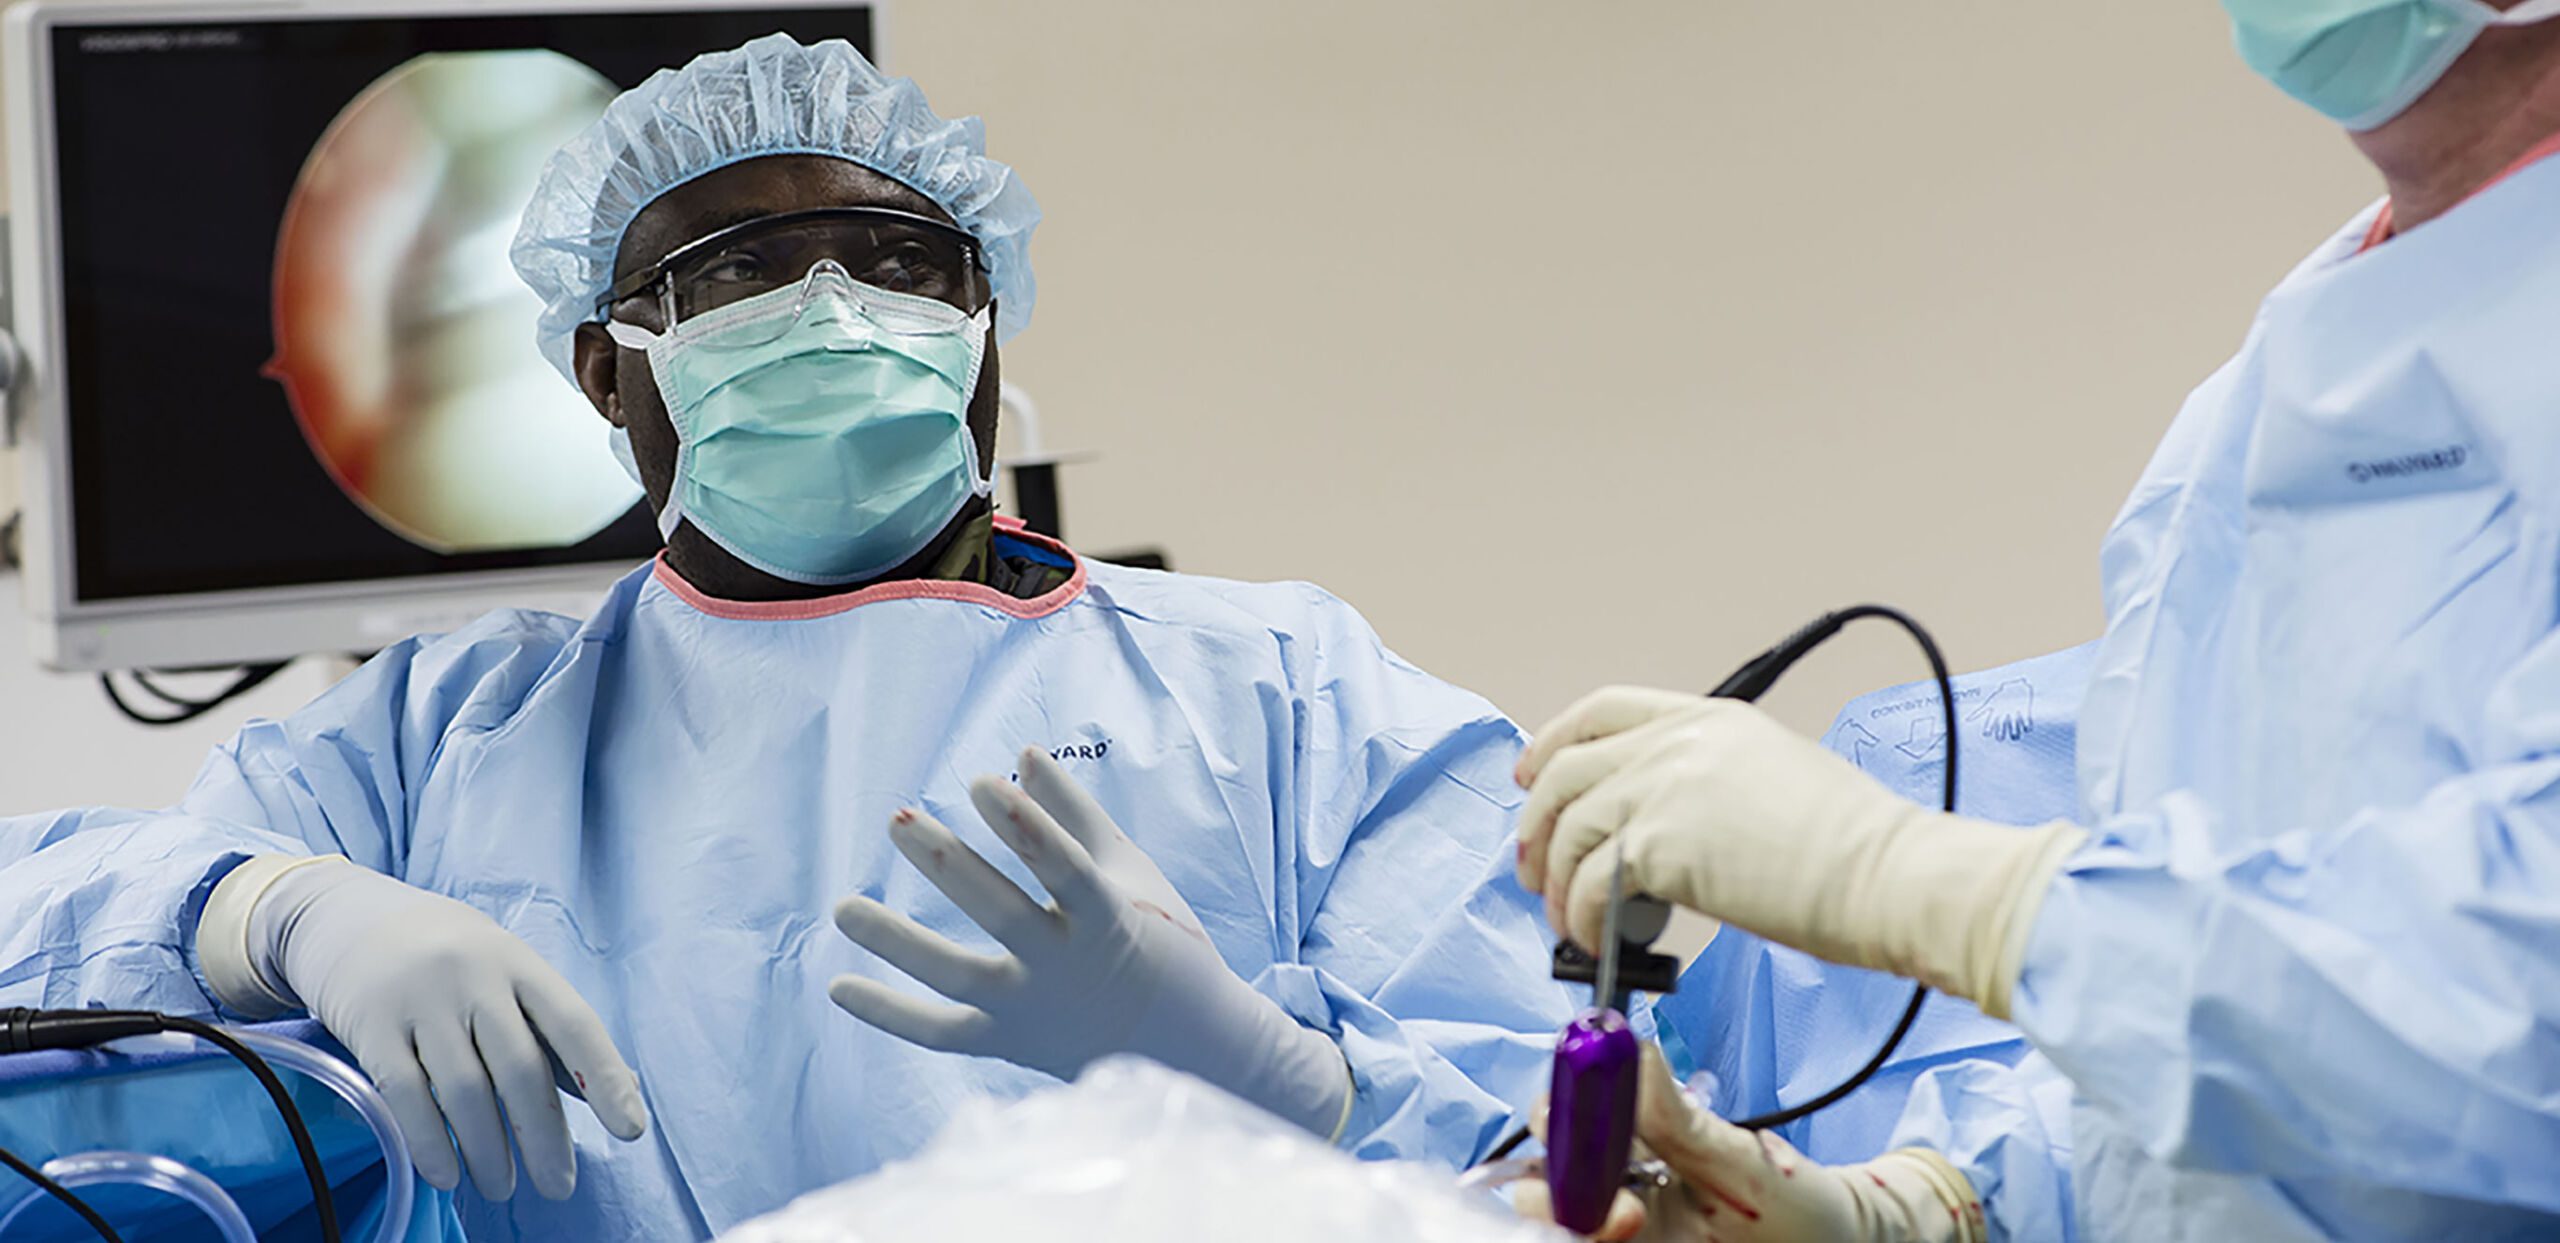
(188, 470)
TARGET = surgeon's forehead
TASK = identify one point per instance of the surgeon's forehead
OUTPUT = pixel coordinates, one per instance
(752, 189)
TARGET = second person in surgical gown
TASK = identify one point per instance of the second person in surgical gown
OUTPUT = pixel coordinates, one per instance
(2295, 980)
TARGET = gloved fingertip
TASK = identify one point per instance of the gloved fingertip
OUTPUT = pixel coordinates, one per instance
(496, 1187)
(1626, 1219)
(439, 1176)
(554, 1183)
(856, 914)
(614, 1097)
(1585, 932)
(914, 834)
(1044, 779)
(632, 1116)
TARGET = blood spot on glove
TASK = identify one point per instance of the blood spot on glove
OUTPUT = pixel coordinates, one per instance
(1773, 1152)
(1024, 842)
(1877, 1179)
(1738, 1206)
(1167, 916)
(581, 1077)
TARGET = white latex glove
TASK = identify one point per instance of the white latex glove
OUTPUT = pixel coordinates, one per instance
(1721, 809)
(1115, 963)
(456, 1021)
(1730, 1185)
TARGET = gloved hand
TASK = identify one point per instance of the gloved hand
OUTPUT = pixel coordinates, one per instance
(1116, 963)
(1730, 1185)
(452, 1017)
(1721, 809)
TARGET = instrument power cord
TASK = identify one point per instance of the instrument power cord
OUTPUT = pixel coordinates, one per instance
(183, 708)
(1748, 684)
(1754, 680)
(23, 1030)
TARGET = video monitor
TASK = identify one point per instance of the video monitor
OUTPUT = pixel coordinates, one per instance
(280, 378)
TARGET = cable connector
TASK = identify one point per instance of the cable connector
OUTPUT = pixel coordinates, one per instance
(26, 1031)
(1761, 672)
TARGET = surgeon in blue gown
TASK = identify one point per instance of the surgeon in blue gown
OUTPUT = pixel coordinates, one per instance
(2294, 973)
(1245, 839)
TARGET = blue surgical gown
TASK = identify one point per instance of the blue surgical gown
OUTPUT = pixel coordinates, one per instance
(667, 800)
(2304, 979)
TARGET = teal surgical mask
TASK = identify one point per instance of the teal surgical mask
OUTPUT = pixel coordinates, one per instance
(822, 429)
(2363, 62)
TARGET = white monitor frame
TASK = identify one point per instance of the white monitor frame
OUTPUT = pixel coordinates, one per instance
(217, 627)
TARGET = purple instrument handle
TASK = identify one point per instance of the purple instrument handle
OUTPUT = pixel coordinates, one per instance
(1591, 1118)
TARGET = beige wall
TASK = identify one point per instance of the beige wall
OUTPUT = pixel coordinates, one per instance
(1589, 342)
(1610, 341)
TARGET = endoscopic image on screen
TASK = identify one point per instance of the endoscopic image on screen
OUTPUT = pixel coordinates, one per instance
(297, 350)
(399, 325)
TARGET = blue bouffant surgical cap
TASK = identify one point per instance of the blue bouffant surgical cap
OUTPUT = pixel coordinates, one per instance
(770, 97)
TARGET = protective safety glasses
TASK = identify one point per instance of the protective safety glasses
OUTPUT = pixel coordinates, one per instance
(892, 251)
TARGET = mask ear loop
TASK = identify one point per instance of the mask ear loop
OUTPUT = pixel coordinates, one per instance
(980, 485)
(634, 337)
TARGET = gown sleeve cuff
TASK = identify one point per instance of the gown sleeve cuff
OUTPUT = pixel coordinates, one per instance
(1409, 1099)
(2007, 1131)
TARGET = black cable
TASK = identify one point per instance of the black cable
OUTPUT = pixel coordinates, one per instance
(22, 1030)
(251, 678)
(184, 708)
(1780, 1117)
(1787, 654)
(310, 1152)
(1517, 1137)
(62, 1193)
(142, 678)
(107, 683)
(1749, 683)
